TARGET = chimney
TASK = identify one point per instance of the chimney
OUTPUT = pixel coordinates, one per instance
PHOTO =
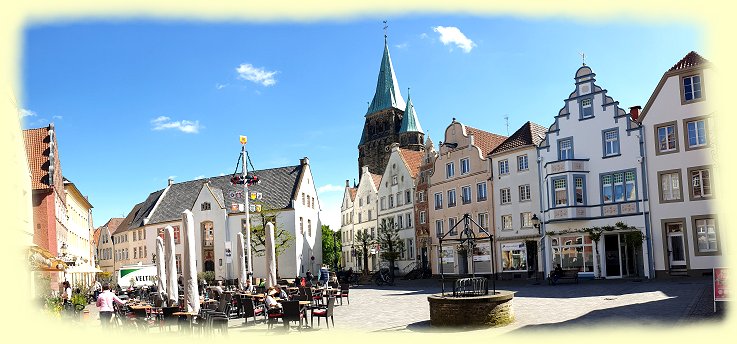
(347, 183)
(364, 169)
(304, 161)
(171, 181)
(470, 140)
(635, 112)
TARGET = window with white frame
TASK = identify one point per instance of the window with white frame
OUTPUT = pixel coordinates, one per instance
(451, 198)
(399, 199)
(524, 192)
(630, 194)
(670, 186)
(561, 192)
(503, 167)
(586, 106)
(449, 170)
(506, 222)
(407, 197)
(578, 192)
(394, 180)
(483, 220)
(466, 194)
(481, 191)
(451, 223)
(438, 200)
(700, 183)
(505, 196)
(383, 203)
(465, 166)
(565, 149)
(611, 142)
(706, 235)
(422, 217)
(391, 201)
(618, 187)
(526, 220)
(696, 133)
(522, 163)
(421, 196)
(667, 140)
(400, 223)
(410, 248)
(692, 87)
(409, 219)
(439, 228)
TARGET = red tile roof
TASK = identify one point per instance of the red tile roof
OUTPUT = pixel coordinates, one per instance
(485, 140)
(529, 134)
(376, 178)
(691, 59)
(37, 146)
(412, 159)
(352, 192)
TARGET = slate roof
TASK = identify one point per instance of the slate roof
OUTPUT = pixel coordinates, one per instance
(410, 122)
(485, 140)
(387, 93)
(412, 159)
(128, 220)
(529, 134)
(691, 59)
(278, 186)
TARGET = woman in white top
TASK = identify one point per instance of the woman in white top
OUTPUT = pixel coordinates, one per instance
(270, 301)
(67, 295)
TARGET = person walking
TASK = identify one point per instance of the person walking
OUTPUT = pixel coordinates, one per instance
(105, 304)
(66, 295)
(324, 275)
(97, 288)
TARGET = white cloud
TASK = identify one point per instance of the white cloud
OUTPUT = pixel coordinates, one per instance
(401, 46)
(26, 113)
(452, 35)
(163, 122)
(57, 117)
(424, 35)
(257, 75)
(329, 188)
(221, 86)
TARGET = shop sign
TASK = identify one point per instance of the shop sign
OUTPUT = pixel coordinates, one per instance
(720, 284)
(482, 253)
(447, 255)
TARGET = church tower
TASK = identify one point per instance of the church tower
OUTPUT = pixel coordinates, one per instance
(410, 132)
(384, 121)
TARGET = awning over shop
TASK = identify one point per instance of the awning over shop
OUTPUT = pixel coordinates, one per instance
(42, 260)
(82, 269)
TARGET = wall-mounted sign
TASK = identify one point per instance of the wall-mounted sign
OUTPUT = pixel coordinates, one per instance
(447, 254)
(720, 286)
(482, 252)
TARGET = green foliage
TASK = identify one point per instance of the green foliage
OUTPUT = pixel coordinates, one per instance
(364, 240)
(54, 304)
(282, 238)
(390, 243)
(79, 299)
(331, 245)
(208, 276)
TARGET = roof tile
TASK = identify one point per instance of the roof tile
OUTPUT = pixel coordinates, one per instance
(485, 140)
(412, 159)
(691, 59)
(529, 134)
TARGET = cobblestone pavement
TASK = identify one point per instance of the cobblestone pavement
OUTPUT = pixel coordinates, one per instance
(404, 307)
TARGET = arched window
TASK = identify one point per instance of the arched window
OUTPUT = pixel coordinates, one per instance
(208, 245)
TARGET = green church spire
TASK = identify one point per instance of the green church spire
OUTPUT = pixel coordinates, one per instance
(387, 93)
(410, 123)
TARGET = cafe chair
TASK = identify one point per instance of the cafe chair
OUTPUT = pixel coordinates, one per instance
(323, 312)
(292, 312)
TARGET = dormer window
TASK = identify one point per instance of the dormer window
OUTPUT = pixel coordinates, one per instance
(205, 206)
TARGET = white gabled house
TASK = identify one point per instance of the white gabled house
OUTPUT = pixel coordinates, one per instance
(592, 175)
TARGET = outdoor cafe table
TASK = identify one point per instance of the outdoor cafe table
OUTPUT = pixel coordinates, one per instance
(190, 316)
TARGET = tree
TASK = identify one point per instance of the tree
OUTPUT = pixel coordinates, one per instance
(364, 240)
(282, 238)
(391, 246)
(331, 246)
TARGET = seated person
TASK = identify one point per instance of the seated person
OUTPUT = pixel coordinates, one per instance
(281, 293)
(219, 288)
(270, 301)
(557, 273)
(249, 288)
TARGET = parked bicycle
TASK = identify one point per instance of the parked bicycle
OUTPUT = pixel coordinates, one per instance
(383, 277)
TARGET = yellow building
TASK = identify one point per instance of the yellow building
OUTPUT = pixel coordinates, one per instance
(78, 251)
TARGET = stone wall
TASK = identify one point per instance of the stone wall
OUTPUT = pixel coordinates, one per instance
(489, 310)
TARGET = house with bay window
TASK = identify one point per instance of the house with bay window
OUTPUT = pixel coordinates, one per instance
(678, 122)
(396, 201)
(592, 176)
(516, 192)
(460, 183)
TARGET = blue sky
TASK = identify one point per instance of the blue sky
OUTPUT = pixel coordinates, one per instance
(135, 102)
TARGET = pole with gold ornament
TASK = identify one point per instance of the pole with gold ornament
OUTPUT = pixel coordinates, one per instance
(246, 205)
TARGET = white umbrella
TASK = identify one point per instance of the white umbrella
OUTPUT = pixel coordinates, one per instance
(160, 267)
(189, 268)
(241, 257)
(270, 256)
(170, 266)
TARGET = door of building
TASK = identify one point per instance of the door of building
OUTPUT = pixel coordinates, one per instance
(424, 258)
(612, 263)
(531, 257)
(676, 246)
(462, 262)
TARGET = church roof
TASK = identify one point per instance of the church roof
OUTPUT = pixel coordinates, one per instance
(410, 123)
(387, 93)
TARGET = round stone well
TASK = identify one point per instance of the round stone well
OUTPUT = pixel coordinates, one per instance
(483, 310)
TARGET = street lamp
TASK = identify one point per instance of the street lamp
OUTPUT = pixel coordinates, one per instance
(536, 223)
(63, 249)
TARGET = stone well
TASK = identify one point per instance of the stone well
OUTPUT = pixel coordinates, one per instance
(484, 310)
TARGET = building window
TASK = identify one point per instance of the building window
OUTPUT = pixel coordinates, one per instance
(481, 191)
(400, 225)
(700, 183)
(360, 201)
(452, 226)
(587, 108)
(667, 138)
(303, 198)
(134, 235)
(410, 249)
(618, 187)
(360, 217)
(449, 170)
(409, 220)
(383, 203)
(205, 206)
(369, 215)
(565, 149)
(503, 167)
(670, 186)
(561, 192)
(395, 181)
(208, 234)
(421, 196)
(522, 164)
(611, 142)
(466, 194)
(439, 200)
(368, 199)
(407, 197)
(313, 202)
(526, 219)
(176, 234)
(451, 198)
(483, 219)
(135, 252)
(696, 133)
(505, 196)
(309, 227)
(399, 199)
(573, 252)
(692, 87)
(465, 166)
(524, 192)
(391, 201)
(439, 228)
(506, 222)
(579, 192)
(422, 217)
(706, 235)
(301, 226)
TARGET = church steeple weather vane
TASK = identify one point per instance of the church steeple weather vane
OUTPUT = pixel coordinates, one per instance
(386, 27)
(583, 58)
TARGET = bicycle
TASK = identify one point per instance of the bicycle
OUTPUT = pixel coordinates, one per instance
(383, 277)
